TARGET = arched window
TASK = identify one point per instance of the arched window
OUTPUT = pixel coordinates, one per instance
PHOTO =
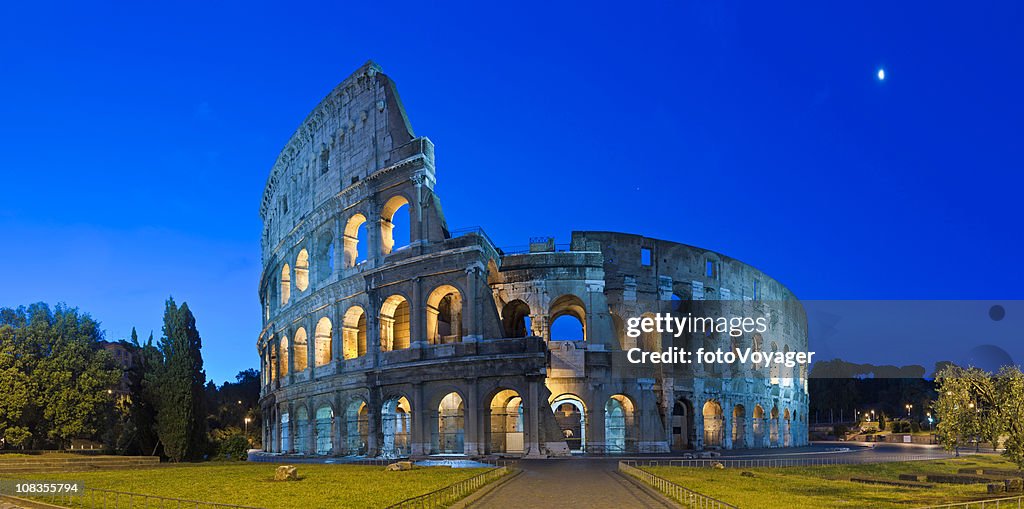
(357, 427)
(394, 324)
(758, 426)
(568, 318)
(444, 315)
(396, 423)
(353, 333)
(515, 319)
(324, 425)
(506, 423)
(355, 240)
(286, 284)
(713, 424)
(620, 436)
(394, 227)
(323, 341)
(739, 417)
(571, 417)
(302, 270)
(300, 348)
(302, 430)
(284, 355)
(451, 425)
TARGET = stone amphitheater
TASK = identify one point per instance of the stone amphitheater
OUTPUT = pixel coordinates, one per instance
(388, 334)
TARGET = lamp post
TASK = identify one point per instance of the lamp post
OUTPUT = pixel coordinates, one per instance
(929, 421)
(909, 407)
(247, 428)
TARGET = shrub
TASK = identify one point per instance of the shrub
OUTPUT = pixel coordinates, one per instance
(234, 447)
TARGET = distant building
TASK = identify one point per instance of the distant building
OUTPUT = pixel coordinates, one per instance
(443, 343)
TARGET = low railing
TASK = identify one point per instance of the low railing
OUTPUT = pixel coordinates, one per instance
(683, 495)
(781, 462)
(452, 493)
(96, 498)
(992, 503)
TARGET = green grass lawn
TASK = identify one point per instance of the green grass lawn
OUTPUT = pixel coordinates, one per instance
(829, 486)
(252, 484)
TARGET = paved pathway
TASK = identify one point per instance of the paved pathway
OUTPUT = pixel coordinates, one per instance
(590, 483)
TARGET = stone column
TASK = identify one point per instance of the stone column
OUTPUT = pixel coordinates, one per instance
(470, 307)
(472, 437)
(373, 340)
(416, 214)
(374, 435)
(417, 315)
(420, 431)
(532, 406)
(727, 426)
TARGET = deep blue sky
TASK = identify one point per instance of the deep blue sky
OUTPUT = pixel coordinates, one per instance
(136, 139)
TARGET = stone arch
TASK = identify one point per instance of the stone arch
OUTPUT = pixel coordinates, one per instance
(506, 425)
(324, 259)
(757, 342)
(449, 433)
(567, 306)
(357, 426)
(758, 425)
(285, 349)
(714, 424)
(396, 424)
(284, 424)
(353, 333)
(286, 284)
(394, 323)
(619, 425)
(354, 253)
(739, 426)
(649, 341)
(275, 361)
(322, 341)
(444, 315)
(300, 350)
(387, 223)
(571, 417)
(301, 429)
(324, 427)
(515, 319)
(683, 429)
(302, 270)
(619, 329)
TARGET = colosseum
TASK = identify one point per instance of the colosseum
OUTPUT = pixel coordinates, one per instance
(388, 334)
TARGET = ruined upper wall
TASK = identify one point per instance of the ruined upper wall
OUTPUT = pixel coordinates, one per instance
(357, 129)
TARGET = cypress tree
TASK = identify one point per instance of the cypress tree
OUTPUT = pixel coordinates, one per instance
(180, 417)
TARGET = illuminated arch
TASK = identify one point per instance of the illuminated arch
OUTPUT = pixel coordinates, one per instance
(284, 355)
(323, 341)
(286, 284)
(394, 323)
(350, 240)
(353, 333)
(714, 424)
(619, 425)
(444, 315)
(387, 223)
(300, 350)
(302, 270)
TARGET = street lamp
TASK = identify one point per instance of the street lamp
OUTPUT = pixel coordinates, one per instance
(247, 427)
(929, 421)
(909, 407)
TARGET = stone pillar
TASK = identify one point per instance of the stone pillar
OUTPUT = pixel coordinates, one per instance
(311, 430)
(470, 309)
(532, 406)
(375, 433)
(748, 427)
(473, 436)
(727, 426)
(420, 428)
(373, 340)
(417, 314)
(416, 214)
